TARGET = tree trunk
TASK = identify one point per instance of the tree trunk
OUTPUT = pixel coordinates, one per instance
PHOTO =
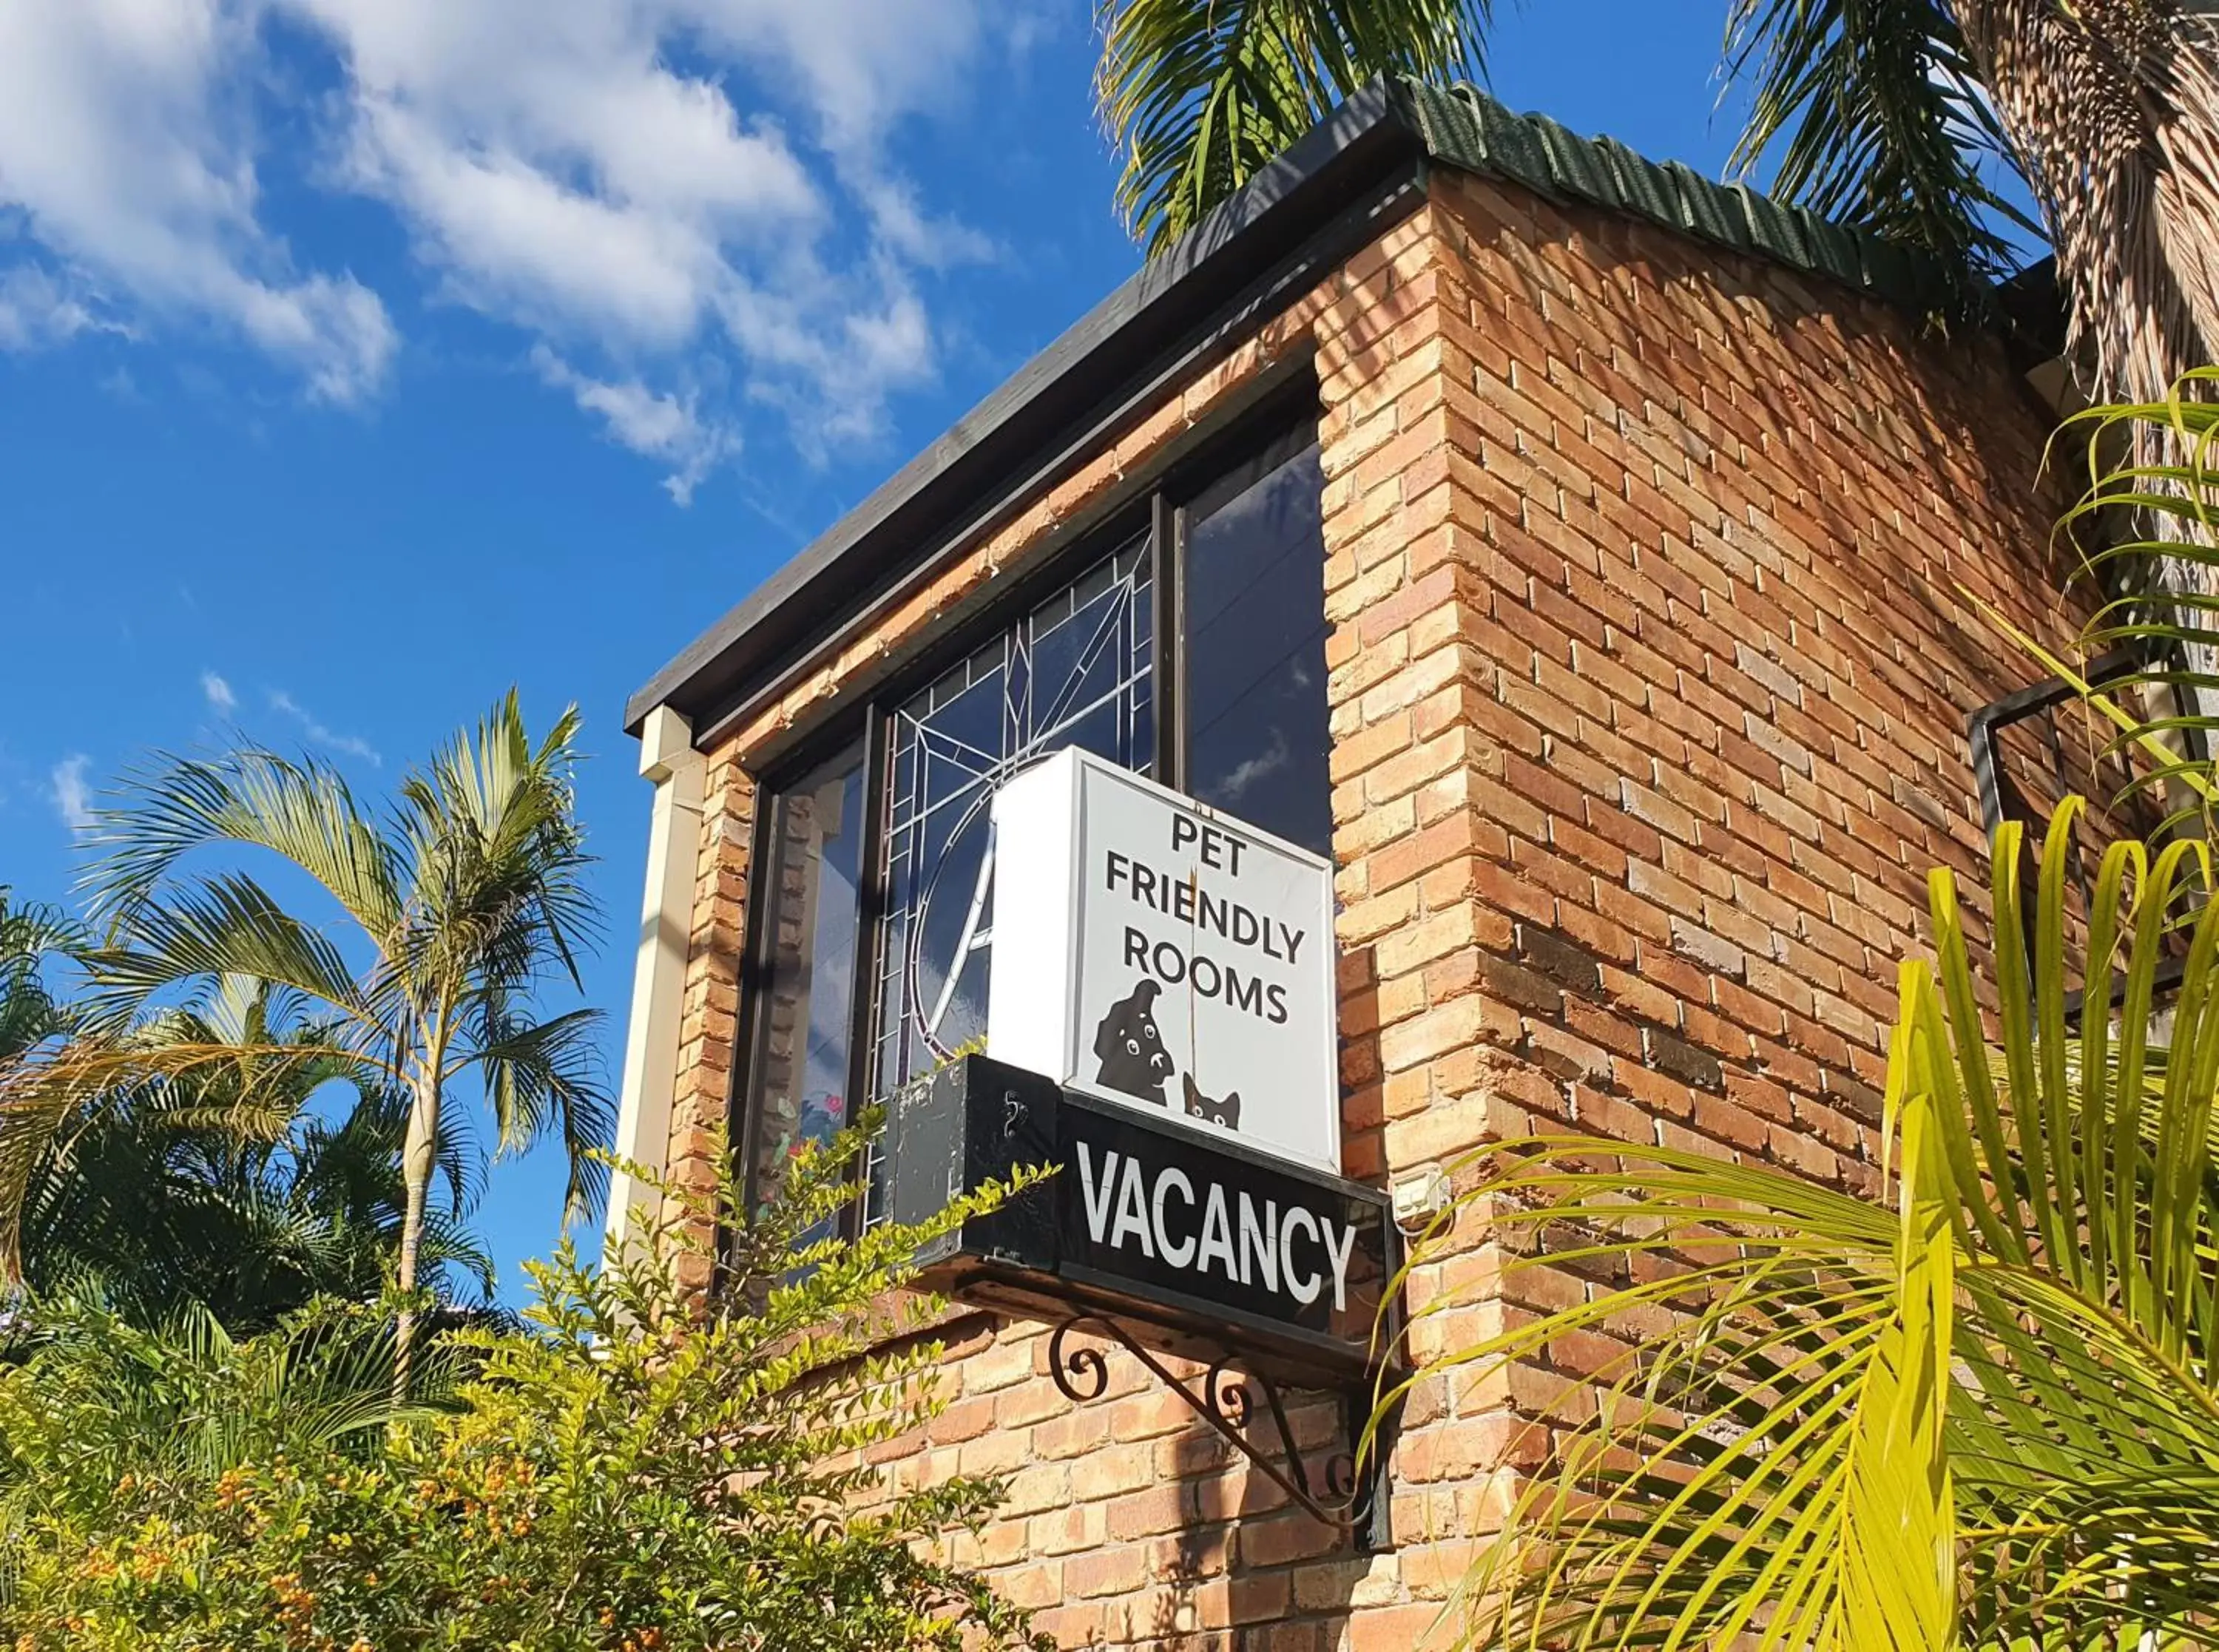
(420, 1155)
(2113, 108)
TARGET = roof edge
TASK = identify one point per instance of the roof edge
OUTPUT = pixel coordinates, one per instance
(1366, 138)
(1463, 126)
(1392, 124)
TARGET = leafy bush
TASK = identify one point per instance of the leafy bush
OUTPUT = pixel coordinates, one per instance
(636, 1471)
(247, 1190)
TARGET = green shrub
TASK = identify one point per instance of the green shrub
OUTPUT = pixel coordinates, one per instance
(636, 1471)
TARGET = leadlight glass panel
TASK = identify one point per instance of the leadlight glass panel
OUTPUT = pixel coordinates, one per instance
(1076, 671)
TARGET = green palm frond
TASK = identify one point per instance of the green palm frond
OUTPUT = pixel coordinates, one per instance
(1871, 113)
(301, 810)
(546, 1077)
(30, 1014)
(1199, 96)
(211, 930)
(237, 1182)
(496, 856)
(186, 1399)
(462, 906)
(45, 1102)
(1989, 1415)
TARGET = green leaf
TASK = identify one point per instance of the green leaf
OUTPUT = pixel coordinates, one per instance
(1873, 112)
(1989, 1418)
(1199, 96)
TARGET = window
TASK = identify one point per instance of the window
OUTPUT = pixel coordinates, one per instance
(1257, 744)
(812, 879)
(876, 902)
(1076, 671)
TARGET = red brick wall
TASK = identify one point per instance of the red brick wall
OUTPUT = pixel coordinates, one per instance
(1650, 705)
(1650, 676)
(1651, 681)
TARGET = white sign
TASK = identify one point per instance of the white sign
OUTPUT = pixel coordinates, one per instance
(1152, 951)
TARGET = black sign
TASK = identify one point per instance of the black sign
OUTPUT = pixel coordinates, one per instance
(1145, 1219)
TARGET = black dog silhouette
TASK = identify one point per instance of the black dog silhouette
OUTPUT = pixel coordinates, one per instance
(1199, 1105)
(1131, 1051)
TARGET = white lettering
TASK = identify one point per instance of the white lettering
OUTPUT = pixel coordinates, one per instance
(1259, 1244)
(1179, 1255)
(1251, 1241)
(1217, 1236)
(1132, 1212)
(1098, 1204)
(1338, 1254)
(1303, 1289)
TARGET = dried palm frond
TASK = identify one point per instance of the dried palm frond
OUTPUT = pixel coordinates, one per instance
(2111, 107)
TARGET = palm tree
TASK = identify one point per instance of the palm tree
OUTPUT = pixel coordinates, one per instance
(455, 910)
(1200, 95)
(1880, 115)
(30, 1014)
(187, 1192)
(1983, 1411)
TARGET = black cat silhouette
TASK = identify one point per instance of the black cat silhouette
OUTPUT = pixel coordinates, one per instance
(1131, 1050)
(1199, 1105)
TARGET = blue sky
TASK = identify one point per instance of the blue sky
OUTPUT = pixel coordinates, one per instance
(359, 359)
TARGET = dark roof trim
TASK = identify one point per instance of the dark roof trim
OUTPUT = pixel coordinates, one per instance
(1117, 343)
(2031, 308)
(1382, 135)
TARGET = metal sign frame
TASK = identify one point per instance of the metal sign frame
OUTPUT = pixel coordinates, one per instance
(979, 1120)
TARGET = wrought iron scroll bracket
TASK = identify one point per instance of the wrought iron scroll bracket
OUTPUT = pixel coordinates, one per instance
(1226, 1399)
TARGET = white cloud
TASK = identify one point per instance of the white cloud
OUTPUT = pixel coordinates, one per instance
(667, 427)
(37, 310)
(347, 745)
(1234, 784)
(907, 229)
(220, 699)
(833, 383)
(119, 383)
(124, 138)
(72, 798)
(865, 62)
(671, 196)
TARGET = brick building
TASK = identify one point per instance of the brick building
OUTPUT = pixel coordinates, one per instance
(1571, 548)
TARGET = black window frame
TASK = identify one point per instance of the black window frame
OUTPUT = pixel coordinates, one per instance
(1174, 508)
(1218, 471)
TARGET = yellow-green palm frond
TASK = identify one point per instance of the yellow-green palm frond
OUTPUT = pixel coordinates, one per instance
(1983, 1410)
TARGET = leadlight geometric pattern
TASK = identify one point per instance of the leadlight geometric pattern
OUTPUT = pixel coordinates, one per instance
(1078, 670)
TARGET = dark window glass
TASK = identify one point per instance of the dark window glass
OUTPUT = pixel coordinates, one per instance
(1076, 671)
(1256, 741)
(805, 999)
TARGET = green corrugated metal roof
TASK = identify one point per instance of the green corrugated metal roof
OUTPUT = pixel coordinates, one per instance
(1462, 126)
